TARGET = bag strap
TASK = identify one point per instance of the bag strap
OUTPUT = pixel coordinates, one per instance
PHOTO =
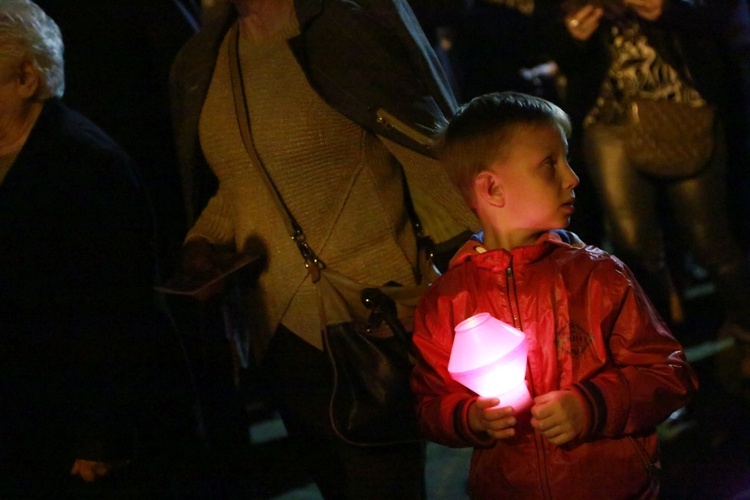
(312, 262)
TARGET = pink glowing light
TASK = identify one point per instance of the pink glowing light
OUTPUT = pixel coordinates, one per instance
(489, 357)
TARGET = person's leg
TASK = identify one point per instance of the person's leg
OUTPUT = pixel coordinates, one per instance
(383, 472)
(700, 213)
(629, 202)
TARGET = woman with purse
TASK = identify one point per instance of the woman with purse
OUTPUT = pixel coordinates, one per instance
(646, 83)
(321, 116)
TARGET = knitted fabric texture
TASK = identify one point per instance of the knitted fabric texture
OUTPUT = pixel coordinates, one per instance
(339, 181)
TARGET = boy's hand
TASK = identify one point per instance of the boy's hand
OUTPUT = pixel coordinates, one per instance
(559, 416)
(486, 416)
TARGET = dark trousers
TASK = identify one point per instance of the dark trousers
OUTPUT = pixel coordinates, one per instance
(643, 214)
(298, 383)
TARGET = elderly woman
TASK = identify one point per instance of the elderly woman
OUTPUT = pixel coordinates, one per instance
(75, 274)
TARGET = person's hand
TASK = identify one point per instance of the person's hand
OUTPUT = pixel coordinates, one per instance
(486, 416)
(200, 262)
(649, 10)
(90, 470)
(582, 23)
(559, 416)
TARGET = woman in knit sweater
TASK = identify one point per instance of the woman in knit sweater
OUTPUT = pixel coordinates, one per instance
(344, 101)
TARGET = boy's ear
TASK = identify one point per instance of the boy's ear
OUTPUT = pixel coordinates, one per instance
(488, 189)
(28, 80)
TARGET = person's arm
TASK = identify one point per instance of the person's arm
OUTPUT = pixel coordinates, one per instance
(107, 308)
(208, 249)
(648, 377)
(448, 412)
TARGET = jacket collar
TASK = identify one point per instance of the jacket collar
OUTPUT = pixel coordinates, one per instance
(500, 259)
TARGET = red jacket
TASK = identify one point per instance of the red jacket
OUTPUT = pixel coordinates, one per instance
(591, 329)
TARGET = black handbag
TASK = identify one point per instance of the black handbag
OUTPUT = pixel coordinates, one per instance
(362, 326)
(371, 403)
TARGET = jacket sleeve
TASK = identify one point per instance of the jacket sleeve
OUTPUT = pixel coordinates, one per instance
(649, 376)
(442, 403)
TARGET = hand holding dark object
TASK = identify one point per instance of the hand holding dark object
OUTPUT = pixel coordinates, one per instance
(612, 9)
(201, 264)
(90, 470)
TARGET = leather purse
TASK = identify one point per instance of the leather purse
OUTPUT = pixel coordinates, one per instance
(371, 354)
(669, 139)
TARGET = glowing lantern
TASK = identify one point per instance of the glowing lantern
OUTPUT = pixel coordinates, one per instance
(489, 357)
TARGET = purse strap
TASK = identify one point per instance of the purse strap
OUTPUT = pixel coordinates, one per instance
(313, 264)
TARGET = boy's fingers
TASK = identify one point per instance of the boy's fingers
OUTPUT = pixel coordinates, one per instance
(484, 403)
(501, 424)
(502, 434)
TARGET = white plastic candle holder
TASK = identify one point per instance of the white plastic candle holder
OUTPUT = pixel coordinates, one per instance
(489, 357)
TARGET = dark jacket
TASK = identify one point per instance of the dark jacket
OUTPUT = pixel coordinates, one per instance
(689, 35)
(590, 329)
(76, 303)
(369, 59)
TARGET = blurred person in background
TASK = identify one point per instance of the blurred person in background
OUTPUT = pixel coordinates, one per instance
(612, 53)
(117, 59)
(345, 100)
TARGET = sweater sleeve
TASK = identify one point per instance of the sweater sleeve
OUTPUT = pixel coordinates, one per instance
(214, 223)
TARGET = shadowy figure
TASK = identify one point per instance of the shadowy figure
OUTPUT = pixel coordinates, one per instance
(92, 394)
(345, 100)
(613, 53)
(117, 59)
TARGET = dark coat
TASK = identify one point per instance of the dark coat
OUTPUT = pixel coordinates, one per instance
(76, 301)
(690, 36)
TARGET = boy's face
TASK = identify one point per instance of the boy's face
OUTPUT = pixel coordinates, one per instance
(535, 181)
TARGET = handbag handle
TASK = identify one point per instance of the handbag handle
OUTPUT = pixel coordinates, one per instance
(384, 308)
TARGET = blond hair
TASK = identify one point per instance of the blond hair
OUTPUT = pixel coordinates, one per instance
(480, 133)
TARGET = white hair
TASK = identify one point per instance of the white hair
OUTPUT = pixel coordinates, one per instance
(28, 34)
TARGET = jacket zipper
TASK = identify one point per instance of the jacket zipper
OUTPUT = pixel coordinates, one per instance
(510, 285)
(511, 290)
(390, 122)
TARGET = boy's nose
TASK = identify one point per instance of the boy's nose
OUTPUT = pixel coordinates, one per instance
(572, 178)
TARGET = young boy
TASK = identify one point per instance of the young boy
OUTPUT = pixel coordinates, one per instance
(603, 369)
